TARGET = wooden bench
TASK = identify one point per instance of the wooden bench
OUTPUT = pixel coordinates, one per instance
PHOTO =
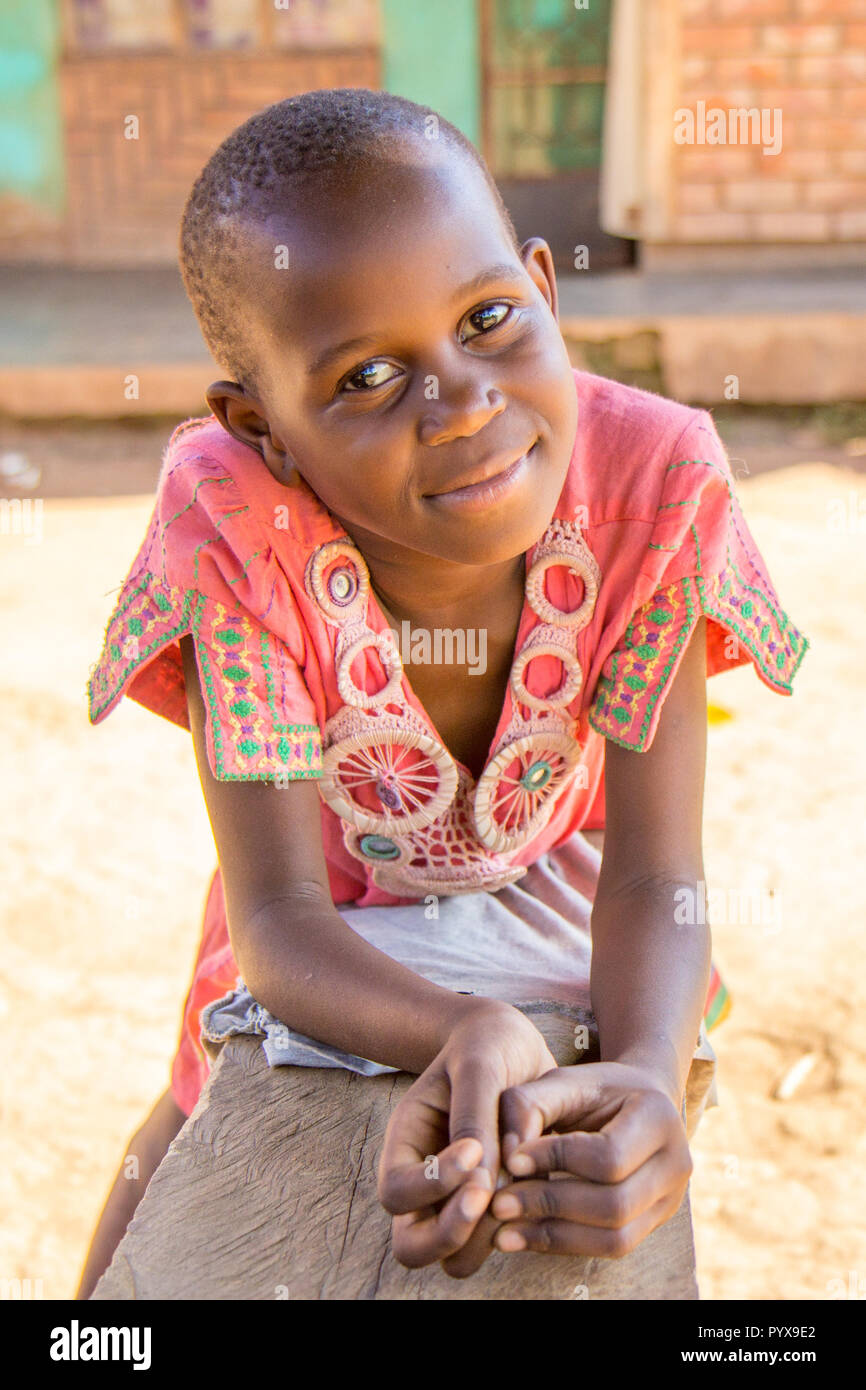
(269, 1192)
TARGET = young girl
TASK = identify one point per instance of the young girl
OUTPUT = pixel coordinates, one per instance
(403, 457)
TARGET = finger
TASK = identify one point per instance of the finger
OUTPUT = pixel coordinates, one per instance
(416, 1185)
(563, 1097)
(474, 1110)
(422, 1237)
(556, 1237)
(476, 1250)
(418, 1124)
(640, 1127)
(590, 1203)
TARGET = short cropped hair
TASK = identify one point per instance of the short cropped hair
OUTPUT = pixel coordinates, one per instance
(266, 163)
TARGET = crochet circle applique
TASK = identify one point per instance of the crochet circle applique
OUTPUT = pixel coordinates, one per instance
(444, 857)
(409, 812)
(517, 791)
(408, 778)
(337, 577)
(583, 564)
(352, 693)
(546, 641)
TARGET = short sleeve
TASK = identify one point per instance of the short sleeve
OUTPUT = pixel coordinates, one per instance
(200, 578)
(700, 560)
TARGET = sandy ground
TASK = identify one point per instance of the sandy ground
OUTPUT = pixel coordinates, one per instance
(108, 852)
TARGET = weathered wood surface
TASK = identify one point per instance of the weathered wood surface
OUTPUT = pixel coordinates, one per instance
(269, 1191)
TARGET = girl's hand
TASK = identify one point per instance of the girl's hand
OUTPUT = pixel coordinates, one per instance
(624, 1146)
(442, 1141)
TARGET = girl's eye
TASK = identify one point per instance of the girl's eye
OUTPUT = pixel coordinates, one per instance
(487, 317)
(375, 373)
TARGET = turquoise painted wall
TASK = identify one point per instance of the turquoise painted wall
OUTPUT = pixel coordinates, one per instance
(431, 55)
(31, 135)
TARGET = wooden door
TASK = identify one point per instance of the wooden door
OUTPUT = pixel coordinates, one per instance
(543, 71)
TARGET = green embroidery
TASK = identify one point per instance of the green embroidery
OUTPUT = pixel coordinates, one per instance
(189, 608)
(225, 478)
(727, 620)
(265, 647)
(716, 601)
(99, 684)
(246, 746)
(237, 511)
(246, 567)
(623, 714)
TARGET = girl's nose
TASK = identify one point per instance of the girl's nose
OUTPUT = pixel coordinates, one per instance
(460, 409)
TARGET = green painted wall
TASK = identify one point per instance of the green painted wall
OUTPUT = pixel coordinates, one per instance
(31, 136)
(431, 55)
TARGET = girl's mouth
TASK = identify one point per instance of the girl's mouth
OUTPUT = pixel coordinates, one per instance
(477, 496)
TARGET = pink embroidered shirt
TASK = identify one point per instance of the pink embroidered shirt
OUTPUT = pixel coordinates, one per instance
(302, 677)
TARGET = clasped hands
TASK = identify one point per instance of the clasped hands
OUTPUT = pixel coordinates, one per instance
(594, 1156)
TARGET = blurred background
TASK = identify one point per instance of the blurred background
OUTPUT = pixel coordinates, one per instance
(711, 256)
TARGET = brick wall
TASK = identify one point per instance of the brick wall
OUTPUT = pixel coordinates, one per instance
(125, 197)
(808, 59)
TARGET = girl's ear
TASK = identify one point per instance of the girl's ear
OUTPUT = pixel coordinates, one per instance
(243, 418)
(231, 406)
(537, 259)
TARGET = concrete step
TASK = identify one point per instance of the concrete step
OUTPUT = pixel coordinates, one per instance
(122, 342)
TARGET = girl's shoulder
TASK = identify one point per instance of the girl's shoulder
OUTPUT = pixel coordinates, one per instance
(626, 440)
(217, 503)
(223, 560)
(654, 494)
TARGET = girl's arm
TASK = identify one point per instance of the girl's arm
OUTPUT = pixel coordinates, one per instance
(650, 958)
(618, 1122)
(296, 954)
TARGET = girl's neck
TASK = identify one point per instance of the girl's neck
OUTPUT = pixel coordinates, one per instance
(483, 593)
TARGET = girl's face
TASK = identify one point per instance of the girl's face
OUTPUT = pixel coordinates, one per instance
(407, 349)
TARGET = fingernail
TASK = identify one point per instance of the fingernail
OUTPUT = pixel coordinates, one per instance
(506, 1207)
(468, 1155)
(509, 1143)
(473, 1202)
(521, 1164)
(510, 1240)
